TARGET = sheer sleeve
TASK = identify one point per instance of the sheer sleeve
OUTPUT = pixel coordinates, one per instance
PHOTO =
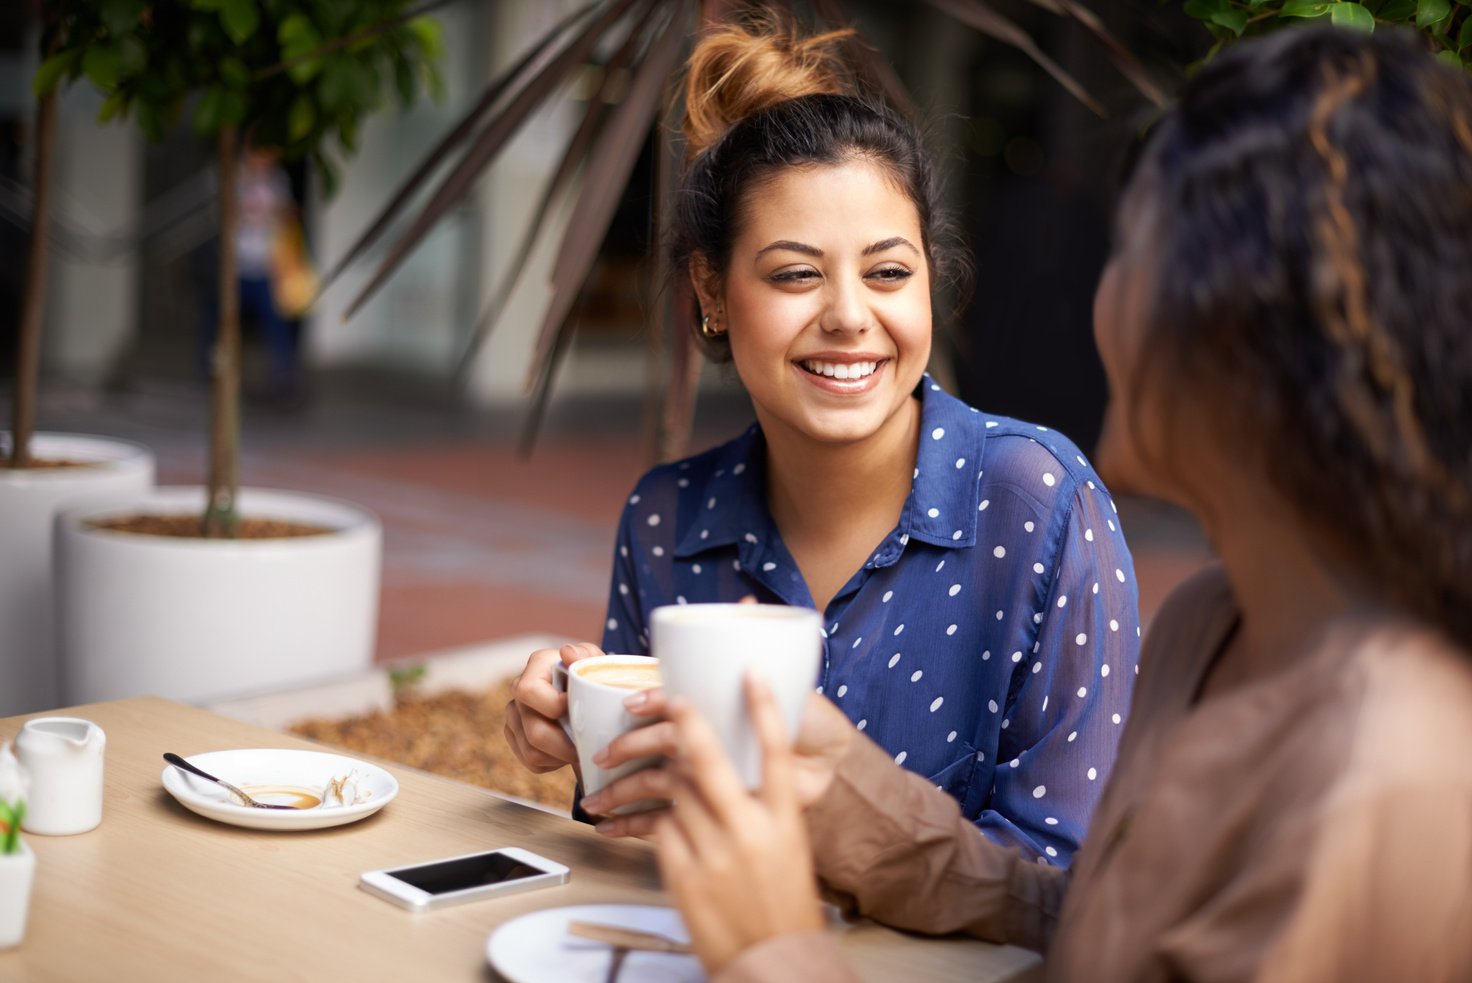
(1066, 708)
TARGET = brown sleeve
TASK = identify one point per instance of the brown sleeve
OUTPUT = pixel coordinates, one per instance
(1387, 893)
(893, 847)
(794, 956)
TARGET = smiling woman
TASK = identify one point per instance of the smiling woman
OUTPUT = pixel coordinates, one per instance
(978, 600)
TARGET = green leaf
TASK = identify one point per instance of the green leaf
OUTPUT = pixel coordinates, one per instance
(1218, 12)
(328, 174)
(1352, 15)
(1429, 12)
(132, 56)
(347, 136)
(234, 73)
(1304, 8)
(150, 120)
(1464, 36)
(121, 16)
(301, 119)
(1397, 11)
(431, 36)
(240, 18)
(51, 71)
(299, 36)
(112, 106)
(205, 4)
(210, 112)
(101, 65)
(1451, 58)
(338, 84)
(405, 82)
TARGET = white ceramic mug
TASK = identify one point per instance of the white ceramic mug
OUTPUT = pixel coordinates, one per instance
(596, 715)
(706, 650)
(63, 757)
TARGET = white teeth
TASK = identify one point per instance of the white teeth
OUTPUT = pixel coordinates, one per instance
(841, 370)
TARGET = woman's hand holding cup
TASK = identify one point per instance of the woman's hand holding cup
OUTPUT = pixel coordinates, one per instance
(822, 740)
(537, 705)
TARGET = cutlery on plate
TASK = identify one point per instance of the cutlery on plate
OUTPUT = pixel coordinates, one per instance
(179, 762)
(616, 963)
(626, 938)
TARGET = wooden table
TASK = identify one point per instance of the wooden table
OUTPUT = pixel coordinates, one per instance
(159, 893)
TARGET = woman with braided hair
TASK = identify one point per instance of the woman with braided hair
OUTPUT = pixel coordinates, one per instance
(1285, 325)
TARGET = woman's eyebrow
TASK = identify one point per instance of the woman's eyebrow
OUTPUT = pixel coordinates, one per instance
(890, 243)
(788, 244)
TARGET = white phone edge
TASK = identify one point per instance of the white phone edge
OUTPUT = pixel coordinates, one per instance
(383, 884)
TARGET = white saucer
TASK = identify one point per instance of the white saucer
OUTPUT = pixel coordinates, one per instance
(536, 948)
(277, 767)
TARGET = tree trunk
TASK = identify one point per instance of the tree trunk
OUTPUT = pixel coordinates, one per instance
(220, 515)
(28, 347)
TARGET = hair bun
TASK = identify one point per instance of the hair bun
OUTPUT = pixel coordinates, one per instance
(737, 70)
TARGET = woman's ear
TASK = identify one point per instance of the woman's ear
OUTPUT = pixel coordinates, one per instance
(707, 284)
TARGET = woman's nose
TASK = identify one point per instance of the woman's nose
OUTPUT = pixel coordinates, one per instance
(846, 311)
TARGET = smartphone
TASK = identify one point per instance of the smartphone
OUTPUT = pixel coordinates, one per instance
(494, 873)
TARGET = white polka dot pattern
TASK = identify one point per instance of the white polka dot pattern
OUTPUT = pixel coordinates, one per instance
(1010, 558)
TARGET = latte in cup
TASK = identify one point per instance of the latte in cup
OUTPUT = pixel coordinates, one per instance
(596, 690)
(624, 675)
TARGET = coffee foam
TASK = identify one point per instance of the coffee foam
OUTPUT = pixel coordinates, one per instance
(624, 675)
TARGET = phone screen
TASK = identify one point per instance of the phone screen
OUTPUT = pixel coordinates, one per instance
(480, 870)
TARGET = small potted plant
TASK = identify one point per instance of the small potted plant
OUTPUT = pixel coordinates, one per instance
(17, 862)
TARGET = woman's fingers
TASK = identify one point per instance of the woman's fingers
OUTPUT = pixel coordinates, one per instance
(655, 740)
(702, 763)
(777, 768)
(573, 651)
(550, 749)
(647, 703)
(532, 726)
(641, 824)
(534, 689)
(641, 786)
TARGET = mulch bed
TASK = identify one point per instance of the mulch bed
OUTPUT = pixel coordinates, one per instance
(192, 527)
(457, 734)
(47, 464)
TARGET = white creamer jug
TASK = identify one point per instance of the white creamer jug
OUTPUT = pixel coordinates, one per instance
(63, 756)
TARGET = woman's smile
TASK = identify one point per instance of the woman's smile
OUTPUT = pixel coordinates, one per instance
(843, 374)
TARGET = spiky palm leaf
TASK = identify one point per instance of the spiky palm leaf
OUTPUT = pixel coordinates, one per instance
(649, 37)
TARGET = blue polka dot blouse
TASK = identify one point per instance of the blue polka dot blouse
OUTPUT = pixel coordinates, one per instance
(990, 642)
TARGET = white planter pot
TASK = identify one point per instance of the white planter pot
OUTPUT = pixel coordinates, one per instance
(200, 619)
(29, 500)
(17, 871)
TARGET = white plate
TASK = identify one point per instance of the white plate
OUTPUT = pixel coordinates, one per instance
(277, 767)
(536, 948)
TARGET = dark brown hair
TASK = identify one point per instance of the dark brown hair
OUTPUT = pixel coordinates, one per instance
(1313, 242)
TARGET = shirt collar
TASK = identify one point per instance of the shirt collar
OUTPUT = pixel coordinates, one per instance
(733, 507)
(941, 509)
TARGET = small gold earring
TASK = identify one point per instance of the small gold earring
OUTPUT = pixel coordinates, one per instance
(707, 330)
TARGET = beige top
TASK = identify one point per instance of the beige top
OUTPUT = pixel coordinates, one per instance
(1316, 825)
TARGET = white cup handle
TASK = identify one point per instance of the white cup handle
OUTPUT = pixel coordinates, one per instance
(559, 683)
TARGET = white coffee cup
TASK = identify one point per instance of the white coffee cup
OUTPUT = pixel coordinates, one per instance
(596, 714)
(706, 650)
(63, 757)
